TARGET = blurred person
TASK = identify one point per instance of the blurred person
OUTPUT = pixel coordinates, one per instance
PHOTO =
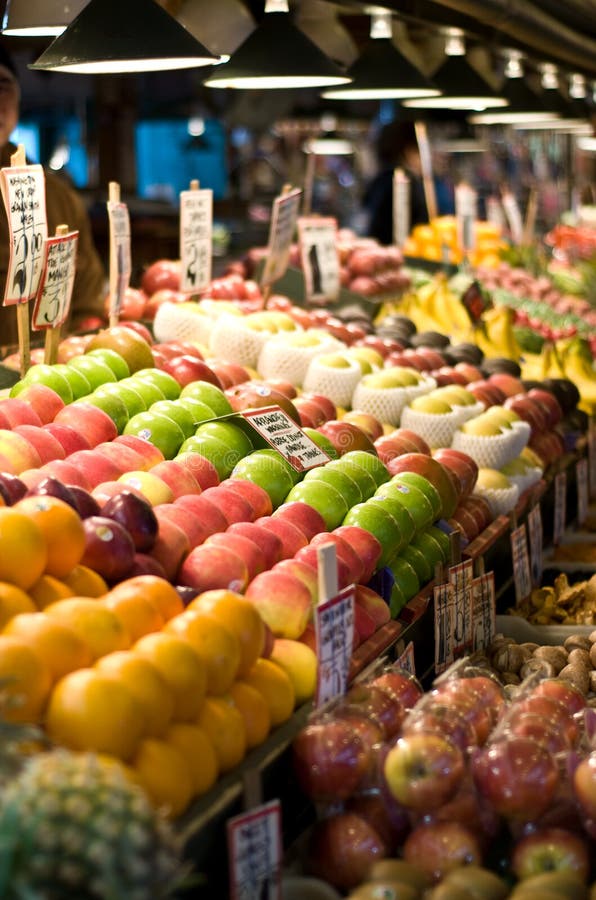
(63, 206)
(397, 148)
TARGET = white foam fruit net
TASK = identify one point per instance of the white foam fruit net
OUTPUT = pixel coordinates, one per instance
(438, 430)
(492, 451)
(232, 340)
(288, 356)
(527, 479)
(337, 384)
(386, 404)
(500, 501)
(182, 322)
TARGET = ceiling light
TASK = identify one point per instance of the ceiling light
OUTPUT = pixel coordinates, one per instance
(277, 55)
(38, 18)
(587, 143)
(381, 71)
(222, 33)
(577, 86)
(462, 88)
(513, 66)
(118, 36)
(524, 106)
(549, 76)
(455, 44)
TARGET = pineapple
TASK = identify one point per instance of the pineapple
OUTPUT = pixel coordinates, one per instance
(72, 825)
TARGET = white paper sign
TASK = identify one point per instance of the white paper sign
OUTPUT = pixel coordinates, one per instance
(444, 619)
(406, 659)
(461, 577)
(255, 853)
(280, 430)
(465, 212)
(521, 563)
(535, 531)
(23, 192)
(513, 215)
(281, 235)
(560, 513)
(196, 228)
(581, 476)
(320, 257)
(401, 207)
(483, 610)
(334, 629)
(120, 258)
(52, 303)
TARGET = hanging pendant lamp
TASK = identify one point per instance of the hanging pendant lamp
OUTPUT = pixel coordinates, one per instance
(38, 18)
(524, 107)
(119, 36)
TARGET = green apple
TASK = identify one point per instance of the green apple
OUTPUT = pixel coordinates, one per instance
(209, 394)
(442, 539)
(321, 441)
(132, 399)
(233, 436)
(397, 601)
(367, 355)
(78, 382)
(304, 339)
(323, 497)
(504, 417)
(200, 412)
(422, 483)
(334, 361)
(455, 394)
(480, 426)
(44, 374)
(340, 480)
(113, 359)
(163, 433)
(215, 450)
(435, 551)
(417, 504)
(421, 565)
(399, 512)
(370, 463)
(163, 380)
(112, 405)
(265, 471)
(362, 477)
(405, 576)
(492, 480)
(173, 410)
(431, 405)
(392, 377)
(95, 371)
(149, 392)
(280, 458)
(380, 523)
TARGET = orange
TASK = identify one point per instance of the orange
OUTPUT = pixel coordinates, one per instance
(163, 773)
(62, 528)
(85, 582)
(91, 711)
(216, 645)
(97, 626)
(138, 615)
(224, 727)
(146, 685)
(25, 680)
(198, 751)
(181, 669)
(276, 687)
(240, 617)
(57, 645)
(48, 589)
(24, 552)
(253, 708)
(156, 590)
(13, 601)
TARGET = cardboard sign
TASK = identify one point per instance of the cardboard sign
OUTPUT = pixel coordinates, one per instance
(461, 577)
(23, 192)
(320, 258)
(483, 611)
(282, 433)
(465, 213)
(560, 513)
(521, 563)
(444, 620)
(52, 303)
(281, 235)
(196, 229)
(255, 853)
(120, 258)
(406, 660)
(401, 207)
(583, 498)
(334, 629)
(592, 457)
(536, 541)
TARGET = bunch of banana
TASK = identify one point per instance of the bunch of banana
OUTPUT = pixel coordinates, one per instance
(578, 367)
(434, 307)
(546, 364)
(495, 335)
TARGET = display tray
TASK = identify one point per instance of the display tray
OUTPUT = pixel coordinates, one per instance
(523, 631)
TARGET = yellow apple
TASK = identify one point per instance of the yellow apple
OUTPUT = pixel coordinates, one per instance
(429, 404)
(492, 480)
(480, 426)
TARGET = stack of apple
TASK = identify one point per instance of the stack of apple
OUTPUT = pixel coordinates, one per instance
(455, 777)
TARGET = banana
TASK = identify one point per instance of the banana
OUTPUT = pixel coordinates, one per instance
(577, 367)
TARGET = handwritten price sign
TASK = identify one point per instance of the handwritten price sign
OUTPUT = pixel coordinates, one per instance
(583, 492)
(521, 563)
(560, 514)
(483, 610)
(23, 192)
(279, 430)
(444, 617)
(120, 258)
(281, 234)
(196, 227)
(52, 303)
(334, 629)
(536, 542)
(461, 577)
(255, 853)
(320, 258)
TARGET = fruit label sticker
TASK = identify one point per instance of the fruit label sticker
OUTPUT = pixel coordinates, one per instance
(401, 207)
(592, 456)
(483, 611)
(120, 258)
(521, 563)
(319, 257)
(465, 213)
(406, 660)
(536, 538)
(581, 476)
(23, 192)
(196, 227)
(282, 433)
(560, 514)
(255, 853)
(444, 601)
(281, 234)
(334, 629)
(52, 303)
(461, 577)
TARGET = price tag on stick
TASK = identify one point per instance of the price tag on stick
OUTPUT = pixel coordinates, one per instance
(23, 193)
(560, 514)
(281, 234)
(521, 563)
(320, 258)
(513, 215)
(196, 229)
(465, 212)
(120, 257)
(334, 629)
(536, 541)
(444, 616)
(52, 303)
(461, 577)
(581, 477)
(483, 611)
(255, 853)
(282, 433)
(401, 207)
(406, 659)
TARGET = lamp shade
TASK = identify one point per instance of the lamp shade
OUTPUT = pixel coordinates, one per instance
(382, 72)
(461, 88)
(222, 33)
(111, 36)
(32, 18)
(277, 55)
(524, 106)
(567, 115)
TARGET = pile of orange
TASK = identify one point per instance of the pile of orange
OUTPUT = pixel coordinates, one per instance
(439, 241)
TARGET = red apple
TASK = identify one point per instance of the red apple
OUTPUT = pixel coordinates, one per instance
(304, 516)
(344, 551)
(548, 402)
(68, 437)
(529, 410)
(283, 600)
(516, 776)
(201, 468)
(211, 518)
(472, 373)
(144, 564)
(186, 368)
(136, 515)
(18, 412)
(551, 850)
(192, 526)
(462, 465)
(86, 504)
(45, 402)
(207, 568)
(327, 407)
(66, 472)
(435, 472)
(371, 426)
(330, 759)
(12, 488)
(439, 847)
(96, 466)
(243, 546)
(178, 477)
(150, 454)
(444, 719)
(291, 537)
(256, 394)
(109, 548)
(164, 273)
(307, 576)
(570, 696)
(233, 506)
(268, 543)
(170, 548)
(346, 436)
(257, 496)
(374, 605)
(546, 733)
(311, 414)
(449, 375)
(92, 422)
(400, 684)
(48, 446)
(365, 544)
(342, 849)
(309, 555)
(509, 384)
(376, 704)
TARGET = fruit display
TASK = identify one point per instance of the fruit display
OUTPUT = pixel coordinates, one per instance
(439, 241)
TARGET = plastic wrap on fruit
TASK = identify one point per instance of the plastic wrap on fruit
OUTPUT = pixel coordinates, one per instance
(342, 848)
(331, 758)
(476, 695)
(374, 703)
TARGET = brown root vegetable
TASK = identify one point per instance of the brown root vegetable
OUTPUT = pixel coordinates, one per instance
(555, 656)
(578, 676)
